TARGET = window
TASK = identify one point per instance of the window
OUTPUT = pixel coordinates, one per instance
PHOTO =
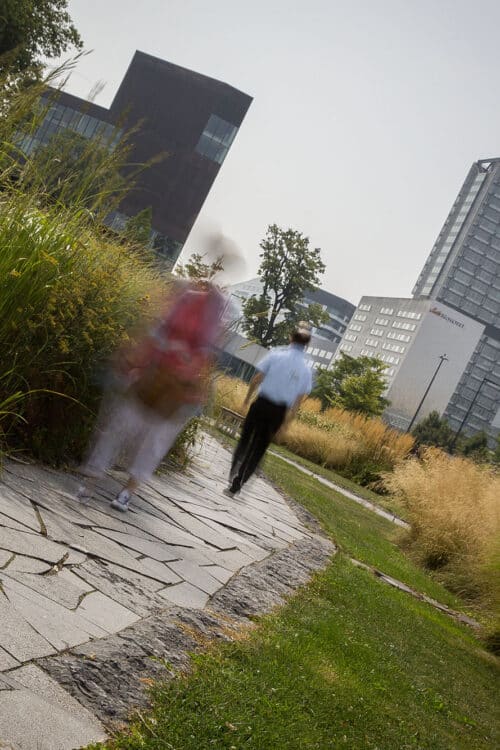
(322, 353)
(389, 373)
(371, 342)
(404, 326)
(393, 347)
(359, 316)
(345, 347)
(387, 311)
(377, 331)
(398, 336)
(365, 307)
(329, 355)
(350, 337)
(355, 327)
(382, 321)
(216, 139)
(390, 358)
(315, 352)
(408, 314)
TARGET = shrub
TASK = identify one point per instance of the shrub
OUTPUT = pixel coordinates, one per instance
(67, 300)
(454, 513)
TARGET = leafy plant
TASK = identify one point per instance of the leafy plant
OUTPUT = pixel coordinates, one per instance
(289, 267)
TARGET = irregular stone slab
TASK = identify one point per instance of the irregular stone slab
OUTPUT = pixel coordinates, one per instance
(130, 594)
(221, 574)
(17, 637)
(23, 564)
(200, 529)
(18, 508)
(5, 557)
(199, 577)
(137, 579)
(10, 523)
(232, 559)
(185, 595)
(105, 613)
(32, 545)
(36, 680)
(61, 627)
(159, 570)
(156, 550)
(6, 660)
(56, 587)
(49, 727)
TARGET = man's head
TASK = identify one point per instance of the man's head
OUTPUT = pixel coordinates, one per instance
(301, 334)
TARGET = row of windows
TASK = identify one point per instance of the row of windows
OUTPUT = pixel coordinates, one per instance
(355, 327)
(409, 314)
(394, 347)
(350, 337)
(371, 342)
(365, 307)
(404, 326)
(360, 316)
(377, 331)
(398, 336)
(316, 352)
(390, 358)
(386, 310)
(382, 321)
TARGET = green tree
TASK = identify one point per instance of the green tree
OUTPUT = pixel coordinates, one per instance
(33, 29)
(353, 384)
(196, 268)
(138, 227)
(288, 268)
(434, 430)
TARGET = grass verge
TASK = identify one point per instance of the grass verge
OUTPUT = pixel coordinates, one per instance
(348, 662)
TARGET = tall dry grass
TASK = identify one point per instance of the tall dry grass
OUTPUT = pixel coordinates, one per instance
(453, 506)
(357, 447)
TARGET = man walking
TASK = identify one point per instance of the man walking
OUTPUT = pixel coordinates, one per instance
(283, 380)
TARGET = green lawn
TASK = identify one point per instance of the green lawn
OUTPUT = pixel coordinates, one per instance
(358, 532)
(348, 662)
(384, 501)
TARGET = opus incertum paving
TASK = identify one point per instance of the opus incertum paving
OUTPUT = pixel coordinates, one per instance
(71, 573)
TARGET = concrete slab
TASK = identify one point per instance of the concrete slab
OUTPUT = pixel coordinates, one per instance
(104, 612)
(48, 727)
(185, 595)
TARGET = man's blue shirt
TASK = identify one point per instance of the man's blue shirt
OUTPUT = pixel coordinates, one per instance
(286, 375)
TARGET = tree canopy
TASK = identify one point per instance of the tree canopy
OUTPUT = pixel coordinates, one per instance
(288, 268)
(353, 384)
(434, 430)
(33, 29)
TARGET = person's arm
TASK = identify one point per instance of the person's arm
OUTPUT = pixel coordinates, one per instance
(252, 387)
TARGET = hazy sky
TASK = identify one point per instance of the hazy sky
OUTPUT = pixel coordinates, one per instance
(366, 116)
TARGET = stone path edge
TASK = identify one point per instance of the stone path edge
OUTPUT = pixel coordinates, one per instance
(111, 677)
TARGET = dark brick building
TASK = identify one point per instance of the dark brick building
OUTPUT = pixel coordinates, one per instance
(190, 116)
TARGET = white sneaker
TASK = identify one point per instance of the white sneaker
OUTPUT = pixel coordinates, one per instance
(121, 501)
(83, 493)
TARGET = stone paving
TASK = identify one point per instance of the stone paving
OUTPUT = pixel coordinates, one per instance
(73, 573)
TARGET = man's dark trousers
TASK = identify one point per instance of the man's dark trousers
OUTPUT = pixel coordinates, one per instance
(262, 422)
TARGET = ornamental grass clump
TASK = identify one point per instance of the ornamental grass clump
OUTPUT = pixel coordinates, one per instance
(68, 299)
(453, 506)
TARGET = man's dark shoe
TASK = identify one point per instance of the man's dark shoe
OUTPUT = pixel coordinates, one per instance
(233, 488)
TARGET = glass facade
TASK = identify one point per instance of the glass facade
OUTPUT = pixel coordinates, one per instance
(216, 139)
(59, 117)
(463, 271)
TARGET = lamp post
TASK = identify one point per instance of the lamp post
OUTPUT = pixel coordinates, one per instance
(443, 358)
(471, 406)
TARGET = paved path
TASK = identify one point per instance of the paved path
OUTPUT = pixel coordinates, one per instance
(71, 573)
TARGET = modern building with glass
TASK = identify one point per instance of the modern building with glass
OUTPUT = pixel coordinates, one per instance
(463, 271)
(190, 118)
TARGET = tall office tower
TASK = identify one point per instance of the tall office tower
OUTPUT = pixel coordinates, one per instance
(463, 272)
(189, 117)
